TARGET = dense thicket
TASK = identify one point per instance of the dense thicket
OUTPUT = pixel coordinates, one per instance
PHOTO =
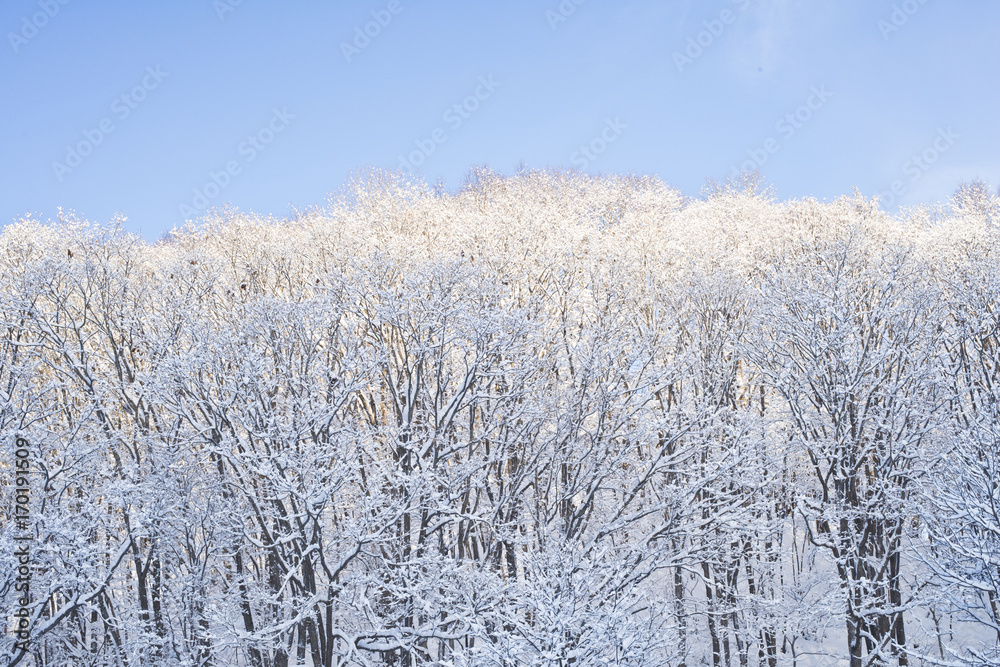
(549, 420)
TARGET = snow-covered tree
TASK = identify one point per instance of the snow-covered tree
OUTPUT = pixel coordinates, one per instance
(551, 419)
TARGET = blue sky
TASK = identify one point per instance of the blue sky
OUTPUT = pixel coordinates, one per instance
(158, 110)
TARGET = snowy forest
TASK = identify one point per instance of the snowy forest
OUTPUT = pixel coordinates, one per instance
(547, 419)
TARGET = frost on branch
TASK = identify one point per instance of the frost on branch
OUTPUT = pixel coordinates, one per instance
(548, 420)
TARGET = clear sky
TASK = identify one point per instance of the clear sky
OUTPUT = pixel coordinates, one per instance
(157, 110)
